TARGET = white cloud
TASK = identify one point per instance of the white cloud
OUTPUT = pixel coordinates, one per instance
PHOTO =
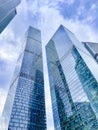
(9, 50)
(49, 19)
(93, 6)
(10, 45)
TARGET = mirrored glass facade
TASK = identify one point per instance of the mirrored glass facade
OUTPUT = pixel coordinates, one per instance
(25, 105)
(7, 12)
(92, 48)
(73, 82)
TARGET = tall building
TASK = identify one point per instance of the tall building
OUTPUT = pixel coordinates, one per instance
(73, 77)
(92, 48)
(25, 104)
(7, 12)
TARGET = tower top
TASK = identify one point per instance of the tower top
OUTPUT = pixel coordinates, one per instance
(34, 33)
(64, 39)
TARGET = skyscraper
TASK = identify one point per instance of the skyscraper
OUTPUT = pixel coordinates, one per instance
(25, 104)
(73, 77)
(7, 12)
(92, 48)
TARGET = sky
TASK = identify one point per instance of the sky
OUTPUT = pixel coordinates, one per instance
(79, 16)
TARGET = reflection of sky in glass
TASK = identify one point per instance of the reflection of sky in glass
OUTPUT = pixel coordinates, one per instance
(7, 12)
(70, 91)
(26, 94)
(65, 44)
(90, 62)
(92, 48)
(75, 86)
(64, 40)
(80, 17)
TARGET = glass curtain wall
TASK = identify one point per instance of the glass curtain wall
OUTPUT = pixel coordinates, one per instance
(72, 84)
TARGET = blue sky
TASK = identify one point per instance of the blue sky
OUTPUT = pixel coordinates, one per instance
(79, 16)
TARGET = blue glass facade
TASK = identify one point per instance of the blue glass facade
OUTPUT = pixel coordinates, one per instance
(73, 82)
(88, 81)
(7, 12)
(92, 48)
(25, 104)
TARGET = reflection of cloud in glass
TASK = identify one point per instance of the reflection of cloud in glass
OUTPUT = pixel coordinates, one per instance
(72, 80)
(46, 15)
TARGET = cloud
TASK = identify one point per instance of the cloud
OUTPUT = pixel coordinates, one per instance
(9, 49)
(51, 19)
(46, 15)
(84, 11)
(66, 1)
(9, 52)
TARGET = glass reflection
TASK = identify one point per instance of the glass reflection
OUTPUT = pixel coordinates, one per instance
(72, 83)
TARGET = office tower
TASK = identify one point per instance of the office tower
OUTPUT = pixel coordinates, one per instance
(92, 48)
(25, 104)
(73, 77)
(7, 12)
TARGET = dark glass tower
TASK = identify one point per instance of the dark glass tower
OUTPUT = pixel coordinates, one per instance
(73, 77)
(25, 104)
(7, 12)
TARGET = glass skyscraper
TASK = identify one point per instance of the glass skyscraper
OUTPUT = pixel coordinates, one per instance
(7, 12)
(92, 48)
(25, 104)
(73, 77)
